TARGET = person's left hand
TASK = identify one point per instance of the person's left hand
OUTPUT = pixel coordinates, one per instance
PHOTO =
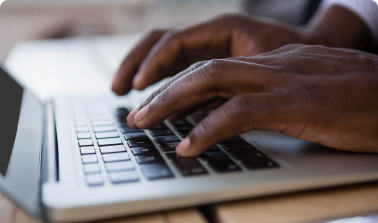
(319, 94)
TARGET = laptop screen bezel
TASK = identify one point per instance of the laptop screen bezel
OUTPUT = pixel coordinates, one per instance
(21, 184)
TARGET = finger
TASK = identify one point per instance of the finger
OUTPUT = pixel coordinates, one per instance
(212, 104)
(217, 78)
(283, 49)
(131, 116)
(123, 80)
(240, 114)
(174, 43)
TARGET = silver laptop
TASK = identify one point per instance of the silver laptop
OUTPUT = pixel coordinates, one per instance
(76, 159)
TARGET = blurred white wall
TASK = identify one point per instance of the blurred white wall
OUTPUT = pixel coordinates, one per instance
(37, 19)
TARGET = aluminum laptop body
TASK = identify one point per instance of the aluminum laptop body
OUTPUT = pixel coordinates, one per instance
(43, 170)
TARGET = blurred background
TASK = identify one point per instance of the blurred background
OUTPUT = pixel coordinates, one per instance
(22, 20)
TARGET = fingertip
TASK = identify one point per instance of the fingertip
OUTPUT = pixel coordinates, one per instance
(116, 89)
(183, 148)
(130, 117)
(120, 87)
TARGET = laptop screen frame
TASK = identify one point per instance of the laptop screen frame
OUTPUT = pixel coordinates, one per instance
(21, 184)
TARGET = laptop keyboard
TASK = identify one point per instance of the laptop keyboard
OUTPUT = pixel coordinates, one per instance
(97, 131)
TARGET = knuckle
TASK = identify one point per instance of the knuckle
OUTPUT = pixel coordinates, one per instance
(213, 68)
(165, 95)
(151, 97)
(195, 66)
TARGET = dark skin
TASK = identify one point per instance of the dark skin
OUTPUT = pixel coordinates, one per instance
(164, 53)
(322, 95)
(312, 93)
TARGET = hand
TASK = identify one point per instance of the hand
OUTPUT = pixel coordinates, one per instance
(319, 94)
(160, 54)
(164, 53)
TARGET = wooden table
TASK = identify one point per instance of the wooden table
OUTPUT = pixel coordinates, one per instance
(311, 206)
(302, 207)
(10, 213)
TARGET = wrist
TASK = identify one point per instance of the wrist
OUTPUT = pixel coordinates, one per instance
(337, 27)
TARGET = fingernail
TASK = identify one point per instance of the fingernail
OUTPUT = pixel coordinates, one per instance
(183, 147)
(141, 114)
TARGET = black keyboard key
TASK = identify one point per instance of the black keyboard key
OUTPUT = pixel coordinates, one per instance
(94, 180)
(82, 129)
(109, 128)
(153, 158)
(123, 177)
(110, 141)
(85, 142)
(104, 135)
(122, 121)
(214, 148)
(179, 122)
(183, 133)
(184, 128)
(214, 155)
(84, 135)
(112, 149)
(226, 165)
(239, 146)
(156, 171)
(254, 164)
(126, 129)
(114, 157)
(87, 150)
(121, 112)
(247, 154)
(119, 166)
(170, 146)
(187, 166)
(140, 142)
(161, 132)
(91, 168)
(147, 150)
(136, 135)
(234, 139)
(89, 159)
(168, 138)
(160, 126)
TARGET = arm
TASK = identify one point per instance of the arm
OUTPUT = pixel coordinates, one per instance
(338, 26)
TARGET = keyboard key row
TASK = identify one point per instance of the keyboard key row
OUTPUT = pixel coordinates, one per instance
(117, 161)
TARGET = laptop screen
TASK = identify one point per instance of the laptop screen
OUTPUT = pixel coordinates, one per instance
(10, 106)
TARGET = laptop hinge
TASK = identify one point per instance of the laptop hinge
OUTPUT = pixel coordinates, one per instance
(49, 151)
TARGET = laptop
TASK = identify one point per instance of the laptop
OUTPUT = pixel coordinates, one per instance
(74, 158)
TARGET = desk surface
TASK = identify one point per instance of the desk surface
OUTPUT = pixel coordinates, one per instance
(9, 213)
(107, 53)
(310, 206)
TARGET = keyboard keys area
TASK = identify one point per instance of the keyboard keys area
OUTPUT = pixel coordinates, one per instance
(105, 140)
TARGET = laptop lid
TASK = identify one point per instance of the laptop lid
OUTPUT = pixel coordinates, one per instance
(21, 134)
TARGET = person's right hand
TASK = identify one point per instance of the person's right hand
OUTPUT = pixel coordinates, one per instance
(160, 54)
(315, 93)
